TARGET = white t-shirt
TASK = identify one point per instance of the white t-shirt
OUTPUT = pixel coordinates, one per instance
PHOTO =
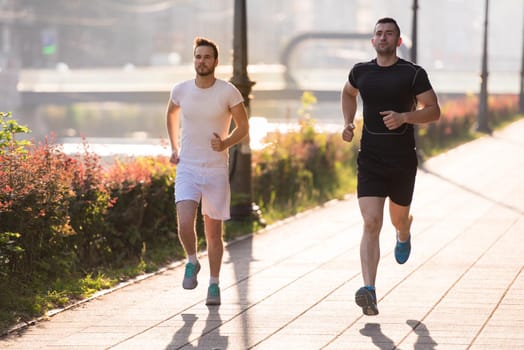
(204, 112)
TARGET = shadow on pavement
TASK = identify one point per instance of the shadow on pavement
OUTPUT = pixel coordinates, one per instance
(374, 331)
(241, 256)
(424, 340)
(181, 339)
(181, 336)
(213, 323)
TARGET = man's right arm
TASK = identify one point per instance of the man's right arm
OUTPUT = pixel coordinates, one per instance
(348, 99)
(173, 128)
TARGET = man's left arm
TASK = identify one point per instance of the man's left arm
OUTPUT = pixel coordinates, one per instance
(428, 111)
(239, 114)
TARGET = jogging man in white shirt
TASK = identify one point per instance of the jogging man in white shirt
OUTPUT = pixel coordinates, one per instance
(200, 111)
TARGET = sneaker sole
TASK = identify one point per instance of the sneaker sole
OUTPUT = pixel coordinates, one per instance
(213, 295)
(365, 301)
(211, 302)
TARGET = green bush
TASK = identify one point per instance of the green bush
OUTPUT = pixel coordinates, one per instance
(10, 248)
(35, 193)
(143, 212)
(300, 169)
(87, 210)
(8, 130)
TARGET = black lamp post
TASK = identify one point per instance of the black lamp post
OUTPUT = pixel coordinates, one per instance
(413, 52)
(240, 160)
(482, 120)
(521, 92)
(414, 34)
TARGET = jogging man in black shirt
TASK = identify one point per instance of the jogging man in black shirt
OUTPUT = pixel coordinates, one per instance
(396, 94)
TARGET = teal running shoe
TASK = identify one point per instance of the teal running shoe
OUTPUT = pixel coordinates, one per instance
(402, 251)
(190, 276)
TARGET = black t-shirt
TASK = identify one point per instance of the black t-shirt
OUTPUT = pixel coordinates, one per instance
(388, 88)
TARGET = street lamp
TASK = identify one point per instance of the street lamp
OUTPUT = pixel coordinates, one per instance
(414, 33)
(240, 155)
(482, 120)
(413, 51)
(521, 93)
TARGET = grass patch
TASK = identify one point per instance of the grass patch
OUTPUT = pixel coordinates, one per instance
(33, 299)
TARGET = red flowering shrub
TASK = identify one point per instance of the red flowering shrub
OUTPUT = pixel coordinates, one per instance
(88, 209)
(458, 120)
(35, 190)
(61, 214)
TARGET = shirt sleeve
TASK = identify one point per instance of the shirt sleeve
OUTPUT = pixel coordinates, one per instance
(175, 93)
(235, 97)
(351, 78)
(421, 82)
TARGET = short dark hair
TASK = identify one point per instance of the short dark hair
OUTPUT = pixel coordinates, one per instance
(201, 41)
(388, 20)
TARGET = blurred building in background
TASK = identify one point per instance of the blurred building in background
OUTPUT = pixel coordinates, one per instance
(108, 33)
(104, 68)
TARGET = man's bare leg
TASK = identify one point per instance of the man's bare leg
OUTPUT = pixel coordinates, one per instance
(215, 250)
(186, 213)
(215, 244)
(401, 220)
(372, 210)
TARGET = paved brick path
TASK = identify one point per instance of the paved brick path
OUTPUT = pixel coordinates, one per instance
(292, 286)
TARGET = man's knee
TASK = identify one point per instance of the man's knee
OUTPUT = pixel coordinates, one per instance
(401, 223)
(372, 225)
(186, 224)
(213, 230)
(214, 235)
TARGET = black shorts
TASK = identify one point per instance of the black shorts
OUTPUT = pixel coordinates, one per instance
(387, 176)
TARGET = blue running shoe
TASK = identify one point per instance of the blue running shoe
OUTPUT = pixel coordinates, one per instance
(366, 298)
(213, 295)
(402, 251)
(190, 276)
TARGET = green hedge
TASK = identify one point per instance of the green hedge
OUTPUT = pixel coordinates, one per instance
(301, 169)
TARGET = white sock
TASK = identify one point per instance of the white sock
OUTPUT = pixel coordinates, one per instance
(192, 259)
(213, 280)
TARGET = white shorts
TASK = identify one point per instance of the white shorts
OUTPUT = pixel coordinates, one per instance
(211, 185)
